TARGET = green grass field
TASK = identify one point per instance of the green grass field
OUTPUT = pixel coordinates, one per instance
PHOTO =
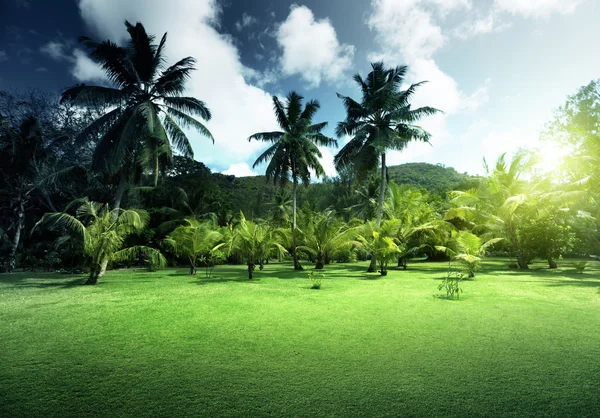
(167, 344)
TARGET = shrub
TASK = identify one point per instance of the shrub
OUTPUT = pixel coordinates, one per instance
(316, 280)
(579, 265)
(451, 285)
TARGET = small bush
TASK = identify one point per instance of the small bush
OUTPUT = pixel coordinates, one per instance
(451, 285)
(579, 265)
(316, 280)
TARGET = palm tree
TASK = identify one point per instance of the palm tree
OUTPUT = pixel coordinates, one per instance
(148, 107)
(380, 241)
(420, 226)
(368, 195)
(326, 236)
(467, 249)
(294, 151)
(280, 207)
(196, 241)
(382, 121)
(254, 243)
(100, 234)
(501, 205)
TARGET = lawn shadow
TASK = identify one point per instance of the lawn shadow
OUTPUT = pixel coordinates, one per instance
(203, 281)
(575, 281)
(36, 280)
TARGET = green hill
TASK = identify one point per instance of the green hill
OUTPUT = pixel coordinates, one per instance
(435, 178)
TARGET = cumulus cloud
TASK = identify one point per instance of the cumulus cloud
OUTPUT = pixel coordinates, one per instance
(311, 48)
(537, 8)
(239, 109)
(408, 32)
(481, 25)
(86, 70)
(239, 170)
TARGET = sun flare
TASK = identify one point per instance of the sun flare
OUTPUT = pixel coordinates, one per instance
(550, 157)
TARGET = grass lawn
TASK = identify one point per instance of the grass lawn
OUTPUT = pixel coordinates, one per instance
(167, 344)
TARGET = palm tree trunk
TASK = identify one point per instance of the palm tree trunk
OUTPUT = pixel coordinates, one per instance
(297, 265)
(120, 189)
(522, 262)
(103, 266)
(381, 190)
(94, 274)
(251, 267)
(117, 206)
(12, 256)
(402, 262)
(320, 261)
(373, 266)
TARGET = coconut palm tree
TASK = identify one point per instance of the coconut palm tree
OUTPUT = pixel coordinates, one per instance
(196, 241)
(468, 249)
(294, 152)
(281, 207)
(326, 236)
(502, 204)
(100, 234)
(380, 240)
(148, 109)
(420, 226)
(254, 243)
(382, 121)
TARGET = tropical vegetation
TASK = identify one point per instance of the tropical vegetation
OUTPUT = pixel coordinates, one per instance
(104, 178)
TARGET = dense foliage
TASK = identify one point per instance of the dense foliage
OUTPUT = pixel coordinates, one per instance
(112, 145)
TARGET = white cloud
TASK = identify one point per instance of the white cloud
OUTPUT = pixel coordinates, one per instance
(238, 108)
(3, 56)
(246, 21)
(404, 27)
(537, 8)
(239, 170)
(86, 70)
(407, 32)
(489, 24)
(55, 50)
(311, 48)
(326, 161)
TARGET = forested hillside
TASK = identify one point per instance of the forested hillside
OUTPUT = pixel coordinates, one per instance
(227, 195)
(435, 178)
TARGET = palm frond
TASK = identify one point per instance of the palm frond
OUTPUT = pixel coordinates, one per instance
(178, 137)
(189, 105)
(84, 95)
(189, 122)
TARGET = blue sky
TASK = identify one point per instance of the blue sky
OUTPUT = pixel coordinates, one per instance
(496, 67)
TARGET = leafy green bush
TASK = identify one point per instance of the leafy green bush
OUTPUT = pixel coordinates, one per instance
(451, 285)
(316, 280)
(579, 265)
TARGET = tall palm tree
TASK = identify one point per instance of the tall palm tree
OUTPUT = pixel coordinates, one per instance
(294, 151)
(148, 107)
(382, 121)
